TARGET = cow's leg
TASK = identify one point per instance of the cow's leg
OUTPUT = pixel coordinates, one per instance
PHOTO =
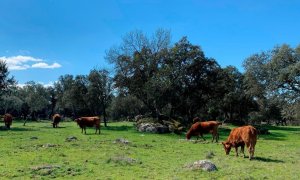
(202, 136)
(84, 130)
(98, 128)
(213, 137)
(251, 152)
(243, 149)
(236, 151)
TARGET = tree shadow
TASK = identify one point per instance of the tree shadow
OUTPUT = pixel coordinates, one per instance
(273, 136)
(3, 128)
(284, 128)
(50, 127)
(118, 128)
(263, 159)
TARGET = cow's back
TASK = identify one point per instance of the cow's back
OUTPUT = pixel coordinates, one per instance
(247, 134)
(56, 118)
(208, 126)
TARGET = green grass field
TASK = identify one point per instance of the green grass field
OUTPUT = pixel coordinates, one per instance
(37, 151)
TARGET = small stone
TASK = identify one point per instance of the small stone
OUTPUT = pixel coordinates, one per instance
(121, 141)
(71, 138)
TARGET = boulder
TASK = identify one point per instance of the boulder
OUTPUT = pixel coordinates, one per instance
(152, 128)
(205, 165)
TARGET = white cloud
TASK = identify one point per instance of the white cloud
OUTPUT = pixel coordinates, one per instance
(25, 62)
(45, 65)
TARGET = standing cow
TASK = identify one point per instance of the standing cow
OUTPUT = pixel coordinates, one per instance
(241, 136)
(200, 128)
(55, 120)
(84, 122)
(7, 120)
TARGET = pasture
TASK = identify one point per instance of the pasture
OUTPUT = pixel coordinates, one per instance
(38, 151)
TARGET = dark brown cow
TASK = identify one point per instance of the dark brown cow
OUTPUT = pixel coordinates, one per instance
(84, 122)
(55, 120)
(200, 128)
(7, 120)
(241, 136)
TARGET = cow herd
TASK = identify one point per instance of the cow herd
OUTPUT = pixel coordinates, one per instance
(238, 137)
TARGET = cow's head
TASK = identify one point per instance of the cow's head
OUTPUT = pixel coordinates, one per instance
(227, 147)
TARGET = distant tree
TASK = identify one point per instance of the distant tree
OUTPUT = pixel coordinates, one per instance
(136, 62)
(11, 101)
(36, 97)
(100, 92)
(71, 95)
(6, 84)
(53, 100)
(171, 79)
(5, 80)
(189, 79)
(123, 107)
(235, 103)
(63, 88)
(273, 78)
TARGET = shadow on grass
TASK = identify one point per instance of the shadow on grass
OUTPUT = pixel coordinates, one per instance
(284, 128)
(273, 136)
(16, 129)
(118, 128)
(267, 160)
(50, 127)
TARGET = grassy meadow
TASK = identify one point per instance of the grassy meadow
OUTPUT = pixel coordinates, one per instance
(37, 151)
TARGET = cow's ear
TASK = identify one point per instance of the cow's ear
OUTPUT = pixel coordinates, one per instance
(223, 143)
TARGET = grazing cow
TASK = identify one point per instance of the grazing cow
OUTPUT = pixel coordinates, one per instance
(239, 137)
(84, 122)
(55, 120)
(7, 120)
(200, 128)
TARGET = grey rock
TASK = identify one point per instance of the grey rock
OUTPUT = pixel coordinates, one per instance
(152, 128)
(205, 165)
(121, 141)
(71, 138)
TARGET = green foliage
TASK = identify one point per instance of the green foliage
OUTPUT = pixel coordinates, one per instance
(272, 77)
(5, 80)
(124, 107)
(174, 78)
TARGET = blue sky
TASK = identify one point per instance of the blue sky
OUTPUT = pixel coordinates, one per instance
(43, 39)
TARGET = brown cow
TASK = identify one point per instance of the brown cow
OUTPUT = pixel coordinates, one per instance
(200, 128)
(7, 120)
(239, 137)
(84, 122)
(55, 120)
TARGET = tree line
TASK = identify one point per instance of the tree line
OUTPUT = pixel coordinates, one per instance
(155, 77)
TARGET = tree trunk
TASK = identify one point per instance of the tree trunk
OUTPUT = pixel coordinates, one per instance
(104, 116)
